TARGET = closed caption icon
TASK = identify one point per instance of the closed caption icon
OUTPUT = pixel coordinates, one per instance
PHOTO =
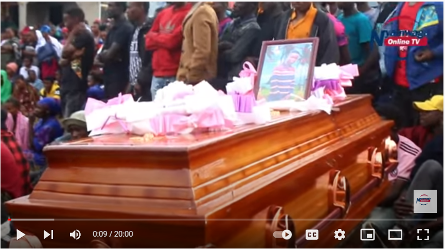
(312, 234)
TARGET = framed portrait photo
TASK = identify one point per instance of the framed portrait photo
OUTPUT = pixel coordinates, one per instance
(285, 69)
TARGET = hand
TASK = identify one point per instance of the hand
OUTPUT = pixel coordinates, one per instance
(128, 89)
(424, 55)
(402, 208)
(46, 37)
(137, 88)
(63, 62)
(78, 52)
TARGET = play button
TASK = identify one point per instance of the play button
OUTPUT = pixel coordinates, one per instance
(45, 234)
(19, 234)
(286, 234)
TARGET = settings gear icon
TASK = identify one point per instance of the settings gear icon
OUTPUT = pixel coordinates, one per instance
(339, 234)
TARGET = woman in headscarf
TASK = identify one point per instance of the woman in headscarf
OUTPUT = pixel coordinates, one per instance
(26, 94)
(6, 90)
(11, 71)
(45, 131)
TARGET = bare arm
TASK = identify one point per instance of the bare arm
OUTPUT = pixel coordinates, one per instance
(372, 56)
(120, 42)
(110, 54)
(68, 49)
(345, 57)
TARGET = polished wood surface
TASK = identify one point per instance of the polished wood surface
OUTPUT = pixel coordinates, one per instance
(225, 189)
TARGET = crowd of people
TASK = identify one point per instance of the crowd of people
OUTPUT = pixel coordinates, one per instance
(47, 73)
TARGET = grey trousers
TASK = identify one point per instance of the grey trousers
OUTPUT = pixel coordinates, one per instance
(72, 102)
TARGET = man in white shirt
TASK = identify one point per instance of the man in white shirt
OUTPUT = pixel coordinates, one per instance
(28, 66)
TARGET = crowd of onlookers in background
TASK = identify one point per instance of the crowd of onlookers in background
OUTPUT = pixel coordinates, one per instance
(48, 72)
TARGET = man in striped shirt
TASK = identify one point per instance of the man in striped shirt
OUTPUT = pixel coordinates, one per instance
(282, 82)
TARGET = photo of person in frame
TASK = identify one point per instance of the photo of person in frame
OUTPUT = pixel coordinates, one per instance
(284, 73)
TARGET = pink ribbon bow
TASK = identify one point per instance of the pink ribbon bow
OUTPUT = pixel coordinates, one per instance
(118, 101)
(97, 121)
(211, 118)
(248, 71)
(347, 73)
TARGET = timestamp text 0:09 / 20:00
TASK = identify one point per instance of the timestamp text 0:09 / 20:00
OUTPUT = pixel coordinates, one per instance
(116, 234)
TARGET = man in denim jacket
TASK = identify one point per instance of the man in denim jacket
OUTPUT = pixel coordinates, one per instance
(420, 75)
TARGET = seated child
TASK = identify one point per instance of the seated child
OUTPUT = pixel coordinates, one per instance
(96, 87)
(28, 66)
(34, 81)
(17, 123)
(50, 88)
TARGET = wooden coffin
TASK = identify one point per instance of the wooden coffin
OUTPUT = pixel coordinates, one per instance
(221, 189)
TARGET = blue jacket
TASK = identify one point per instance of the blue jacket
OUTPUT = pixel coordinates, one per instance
(419, 74)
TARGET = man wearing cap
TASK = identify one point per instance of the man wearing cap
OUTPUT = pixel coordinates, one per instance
(29, 42)
(431, 117)
(427, 174)
(431, 113)
(415, 140)
(75, 126)
(412, 173)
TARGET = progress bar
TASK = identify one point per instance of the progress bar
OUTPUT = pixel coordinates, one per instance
(31, 219)
(13, 219)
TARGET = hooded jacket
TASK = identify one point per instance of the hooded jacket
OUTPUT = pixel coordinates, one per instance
(54, 42)
(322, 27)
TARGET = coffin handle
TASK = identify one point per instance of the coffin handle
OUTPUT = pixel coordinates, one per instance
(276, 222)
(378, 168)
(339, 192)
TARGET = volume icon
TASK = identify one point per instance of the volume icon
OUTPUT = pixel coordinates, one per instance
(75, 234)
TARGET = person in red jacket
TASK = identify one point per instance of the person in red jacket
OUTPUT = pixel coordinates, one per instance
(12, 181)
(165, 40)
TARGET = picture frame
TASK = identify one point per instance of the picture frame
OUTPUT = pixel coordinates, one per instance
(286, 69)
